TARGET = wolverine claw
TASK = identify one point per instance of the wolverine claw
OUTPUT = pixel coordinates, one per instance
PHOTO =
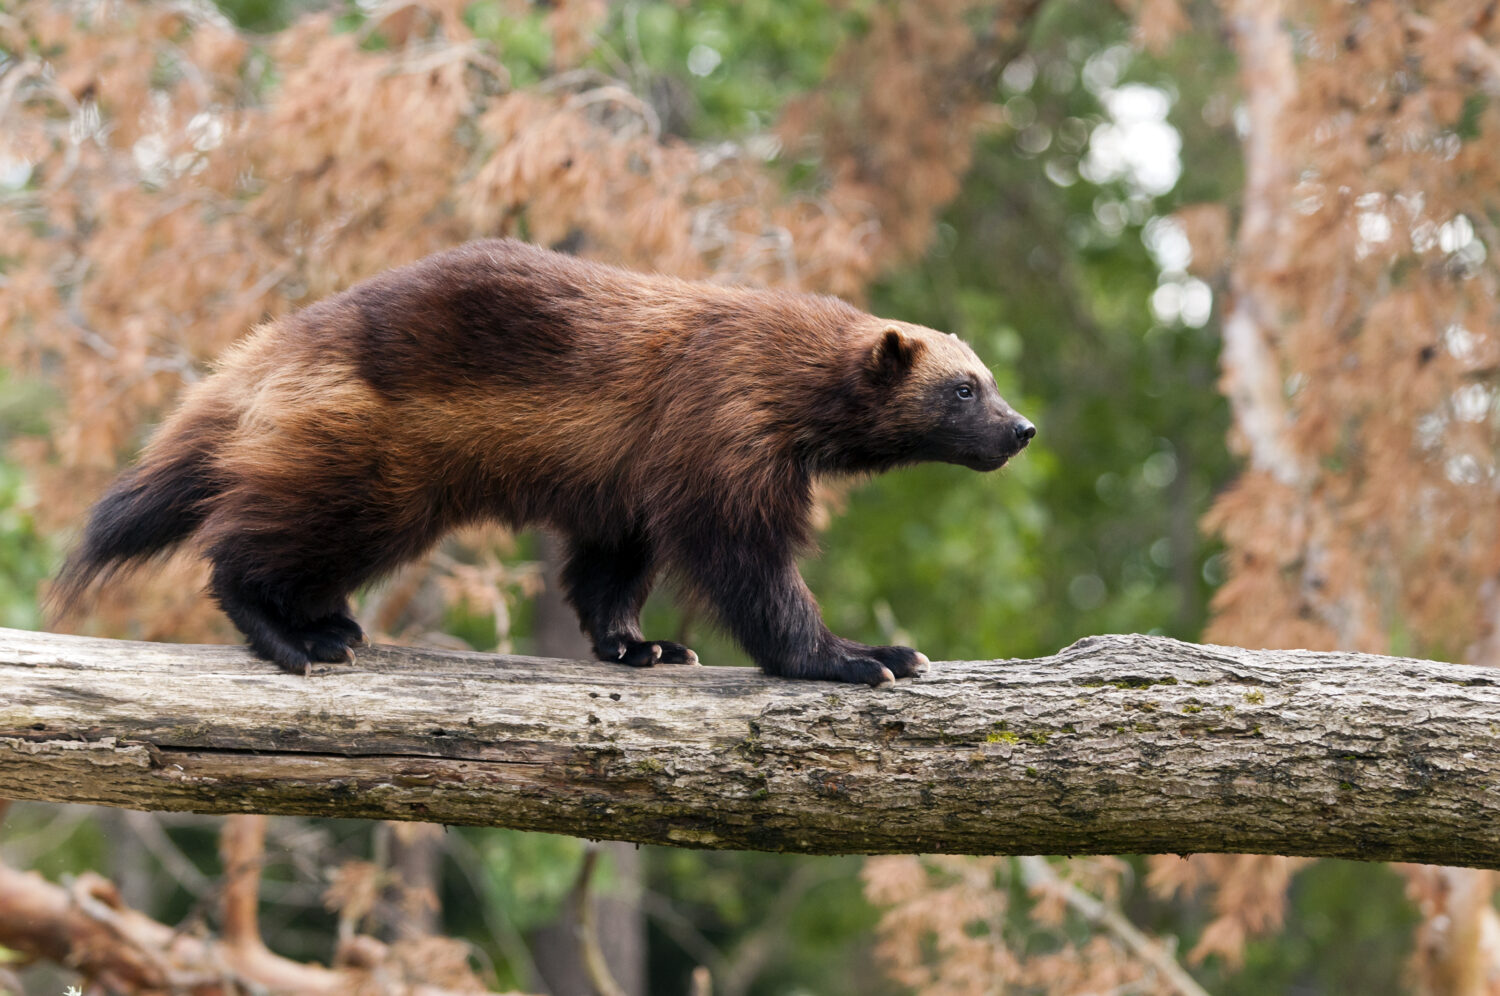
(676, 653)
(291, 661)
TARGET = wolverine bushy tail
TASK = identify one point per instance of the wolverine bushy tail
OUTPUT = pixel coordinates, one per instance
(149, 509)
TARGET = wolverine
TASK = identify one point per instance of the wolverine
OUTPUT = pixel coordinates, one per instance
(658, 426)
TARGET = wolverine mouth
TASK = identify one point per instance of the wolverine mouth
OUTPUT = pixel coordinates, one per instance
(988, 462)
(991, 460)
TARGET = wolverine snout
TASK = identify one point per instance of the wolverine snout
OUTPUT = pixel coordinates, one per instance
(1012, 430)
(1012, 434)
(1009, 436)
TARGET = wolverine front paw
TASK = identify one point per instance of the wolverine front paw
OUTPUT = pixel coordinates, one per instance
(643, 653)
(856, 663)
(903, 662)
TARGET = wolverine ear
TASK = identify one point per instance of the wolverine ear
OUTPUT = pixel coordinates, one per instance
(894, 355)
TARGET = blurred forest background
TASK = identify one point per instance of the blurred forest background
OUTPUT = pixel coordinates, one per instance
(1233, 258)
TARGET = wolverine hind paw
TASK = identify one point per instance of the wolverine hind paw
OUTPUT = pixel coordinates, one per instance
(329, 649)
(331, 639)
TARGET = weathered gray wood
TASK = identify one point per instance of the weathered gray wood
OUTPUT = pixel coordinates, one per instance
(1118, 744)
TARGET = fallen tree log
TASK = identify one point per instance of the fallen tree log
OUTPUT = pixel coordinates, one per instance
(1117, 744)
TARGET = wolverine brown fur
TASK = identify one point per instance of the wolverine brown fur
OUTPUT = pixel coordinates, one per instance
(656, 424)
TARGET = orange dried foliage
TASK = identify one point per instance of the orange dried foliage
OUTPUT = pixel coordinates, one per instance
(942, 931)
(1379, 297)
(1207, 229)
(353, 891)
(573, 24)
(1249, 896)
(916, 73)
(948, 930)
(411, 964)
(1158, 23)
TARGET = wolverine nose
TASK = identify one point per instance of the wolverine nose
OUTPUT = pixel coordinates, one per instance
(1024, 431)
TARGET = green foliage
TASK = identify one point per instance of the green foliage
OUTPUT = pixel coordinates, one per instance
(809, 914)
(956, 563)
(264, 15)
(73, 846)
(713, 69)
(529, 874)
(524, 43)
(735, 62)
(1468, 126)
(25, 557)
(1348, 929)
(477, 629)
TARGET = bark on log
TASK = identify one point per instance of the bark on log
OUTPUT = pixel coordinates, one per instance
(1117, 744)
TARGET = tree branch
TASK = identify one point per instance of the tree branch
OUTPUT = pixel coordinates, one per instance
(88, 927)
(242, 848)
(1120, 744)
(1040, 877)
(587, 929)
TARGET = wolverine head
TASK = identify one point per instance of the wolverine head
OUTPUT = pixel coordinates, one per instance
(942, 400)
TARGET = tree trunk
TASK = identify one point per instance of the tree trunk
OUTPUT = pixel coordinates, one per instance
(1116, 745)
(617, 920)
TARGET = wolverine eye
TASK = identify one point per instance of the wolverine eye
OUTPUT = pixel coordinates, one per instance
(965, 392)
